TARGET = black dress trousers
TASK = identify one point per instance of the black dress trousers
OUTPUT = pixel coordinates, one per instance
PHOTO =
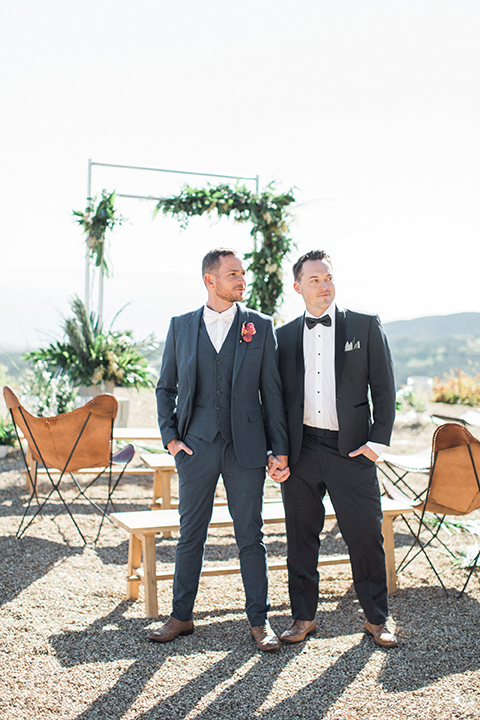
(354, 491)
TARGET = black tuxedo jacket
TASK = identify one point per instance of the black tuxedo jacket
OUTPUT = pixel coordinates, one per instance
(257, 415)
(362, 416)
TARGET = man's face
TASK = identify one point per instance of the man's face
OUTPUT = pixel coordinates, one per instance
(227, 283)
(316, 286)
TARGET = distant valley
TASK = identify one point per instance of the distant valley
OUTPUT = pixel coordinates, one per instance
(435, 345)
(424, 346)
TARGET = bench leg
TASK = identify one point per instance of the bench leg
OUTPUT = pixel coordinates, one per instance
(33, 466)
(389, 545)
(161, 490)
(157, 490)
(150, 575)
(166, 479)
(134, 561)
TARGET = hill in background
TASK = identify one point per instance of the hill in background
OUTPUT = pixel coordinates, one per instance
(429, 346)
(435, 345)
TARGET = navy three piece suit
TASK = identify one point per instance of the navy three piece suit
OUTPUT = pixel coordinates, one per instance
(227, 407)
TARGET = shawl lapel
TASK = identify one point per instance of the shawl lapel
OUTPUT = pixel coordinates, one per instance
(299, 358)
(340, 337)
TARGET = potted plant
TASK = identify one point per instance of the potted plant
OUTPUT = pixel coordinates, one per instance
(96, 358)
(8, 437)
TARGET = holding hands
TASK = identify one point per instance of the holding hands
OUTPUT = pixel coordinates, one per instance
(278, 468)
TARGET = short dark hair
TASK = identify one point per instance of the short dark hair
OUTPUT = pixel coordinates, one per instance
(212, 259)
(311, 255)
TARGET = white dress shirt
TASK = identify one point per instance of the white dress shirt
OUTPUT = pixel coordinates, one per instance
(320, 408)
(218, 324)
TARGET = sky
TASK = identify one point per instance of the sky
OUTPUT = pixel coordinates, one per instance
(370, 109)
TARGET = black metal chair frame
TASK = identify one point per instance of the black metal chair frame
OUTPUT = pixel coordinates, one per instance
(123, 456)
(423, 546)
(422, 498)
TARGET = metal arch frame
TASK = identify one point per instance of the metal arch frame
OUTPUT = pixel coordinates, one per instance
(91, 163)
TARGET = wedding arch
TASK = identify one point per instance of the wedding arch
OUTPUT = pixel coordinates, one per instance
(268, 215)
(266, 211)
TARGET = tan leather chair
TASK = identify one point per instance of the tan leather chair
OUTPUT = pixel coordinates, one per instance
(68, 443)
(453, 489)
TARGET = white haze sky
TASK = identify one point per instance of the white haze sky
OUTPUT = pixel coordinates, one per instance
(370, 108)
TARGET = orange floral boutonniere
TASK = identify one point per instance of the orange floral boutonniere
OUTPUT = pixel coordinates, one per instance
(248, 331)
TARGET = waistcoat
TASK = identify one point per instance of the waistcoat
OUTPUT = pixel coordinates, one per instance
(213, 393)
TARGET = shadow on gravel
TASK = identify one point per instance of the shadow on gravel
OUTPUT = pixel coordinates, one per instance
(115, 637)
(27, 560)
(448, 647)
(439, 636)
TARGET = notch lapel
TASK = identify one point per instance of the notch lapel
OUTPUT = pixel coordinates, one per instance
(240, 345)
(193, 326)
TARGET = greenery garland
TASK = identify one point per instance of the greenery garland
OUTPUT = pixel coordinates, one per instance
(269, 216)
(95, 222)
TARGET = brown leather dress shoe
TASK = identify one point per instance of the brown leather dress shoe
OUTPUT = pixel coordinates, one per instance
(298, 631)
(381, 635)
(265, 637)
(171, 630)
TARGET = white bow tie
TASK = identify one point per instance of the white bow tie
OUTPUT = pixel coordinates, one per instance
(211, 317)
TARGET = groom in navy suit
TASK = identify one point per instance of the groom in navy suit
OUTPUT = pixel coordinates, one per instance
(220, 410)
(339, 395)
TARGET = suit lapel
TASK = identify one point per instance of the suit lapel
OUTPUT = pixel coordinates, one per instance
(192, 349)
(299, 357)
(240, 347)
(340, 338)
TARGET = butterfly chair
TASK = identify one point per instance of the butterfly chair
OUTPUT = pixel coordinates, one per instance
(453, 489)
(66, 444)
(397, 467)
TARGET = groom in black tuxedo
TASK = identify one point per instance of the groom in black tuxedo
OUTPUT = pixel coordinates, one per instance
(339, 396)
(220, 409)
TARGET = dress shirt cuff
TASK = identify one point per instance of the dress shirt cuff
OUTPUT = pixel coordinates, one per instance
(377, 448)
(167, 436)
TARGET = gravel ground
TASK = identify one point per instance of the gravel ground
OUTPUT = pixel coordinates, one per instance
(73, 647)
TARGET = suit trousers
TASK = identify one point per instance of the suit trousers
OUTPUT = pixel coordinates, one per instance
(354, 491)
(198, 476)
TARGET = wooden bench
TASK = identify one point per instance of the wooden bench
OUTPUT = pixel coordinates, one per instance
(163, 466)
(142, 527)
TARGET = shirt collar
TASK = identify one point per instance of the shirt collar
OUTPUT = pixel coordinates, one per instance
(227, 314)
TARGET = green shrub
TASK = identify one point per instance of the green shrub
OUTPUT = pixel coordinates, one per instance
(8, 435)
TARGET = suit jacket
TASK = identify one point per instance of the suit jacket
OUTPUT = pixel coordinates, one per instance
(357, 371)
(257, 414)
